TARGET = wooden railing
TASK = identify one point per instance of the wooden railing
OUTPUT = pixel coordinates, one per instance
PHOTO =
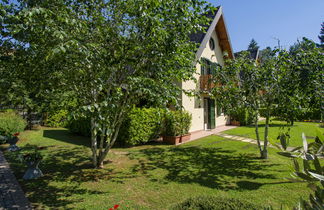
(206, 82)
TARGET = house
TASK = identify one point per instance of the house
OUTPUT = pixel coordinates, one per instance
(214, 47)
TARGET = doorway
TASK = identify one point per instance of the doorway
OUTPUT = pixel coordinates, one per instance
(209, 114)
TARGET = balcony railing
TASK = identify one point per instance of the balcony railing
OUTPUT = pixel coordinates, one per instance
(206, 82)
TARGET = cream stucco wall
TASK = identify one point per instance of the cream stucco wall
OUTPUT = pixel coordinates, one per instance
(195, 105)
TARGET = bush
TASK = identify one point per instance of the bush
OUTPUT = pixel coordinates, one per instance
(215, 203)
(57, 119)
(297, 115)
(140, 126)
(81, 126)
(177, 123)
(242, 115)
(10, 123)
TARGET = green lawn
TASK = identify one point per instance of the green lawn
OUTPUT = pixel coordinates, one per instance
(296, 131)
(152, 176)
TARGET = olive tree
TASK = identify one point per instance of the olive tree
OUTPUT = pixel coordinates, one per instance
(110, 54)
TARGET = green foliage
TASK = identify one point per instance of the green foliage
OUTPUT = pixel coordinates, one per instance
(57, 119)
(310, 171)
(242, 115)
(321, 36)
(215, 203)
(80, 126)
(141, 125)
(110, 54)
(177, 123)
(253, 45)
(10, 123)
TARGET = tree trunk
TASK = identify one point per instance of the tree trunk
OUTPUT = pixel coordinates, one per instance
(257, 132)
(264, 154)
(94, 142)
(29, 119)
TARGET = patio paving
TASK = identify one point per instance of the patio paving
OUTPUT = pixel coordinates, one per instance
(11, 195)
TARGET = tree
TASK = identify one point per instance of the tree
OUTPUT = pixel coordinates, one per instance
(321, 36)
(110, 54)
(253, 45)
(254, 87)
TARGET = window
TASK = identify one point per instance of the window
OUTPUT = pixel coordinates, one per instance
(212, 43)
(208, 67)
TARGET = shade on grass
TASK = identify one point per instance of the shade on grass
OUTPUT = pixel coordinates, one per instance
(296, 131)
(153, 176)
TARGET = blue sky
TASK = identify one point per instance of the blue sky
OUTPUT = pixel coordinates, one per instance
(268, 20)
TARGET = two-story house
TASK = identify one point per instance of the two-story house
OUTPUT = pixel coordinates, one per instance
(214, 47)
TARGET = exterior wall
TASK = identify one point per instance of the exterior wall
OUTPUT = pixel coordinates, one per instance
(195, 105)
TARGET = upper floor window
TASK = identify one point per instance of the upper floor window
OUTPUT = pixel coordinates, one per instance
(208, 67)
(211, 43)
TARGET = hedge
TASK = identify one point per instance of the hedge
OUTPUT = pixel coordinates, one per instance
(57, 119)
(80, 126)
(10, 123)
(141, 125)
(242, 115)
(215, 203)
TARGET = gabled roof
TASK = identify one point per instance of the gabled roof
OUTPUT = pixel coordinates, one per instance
(218, 24)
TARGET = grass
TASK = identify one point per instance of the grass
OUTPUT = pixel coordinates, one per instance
(296, 131)
(152, 176)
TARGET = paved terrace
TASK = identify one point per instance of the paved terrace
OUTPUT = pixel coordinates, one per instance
(11, 195)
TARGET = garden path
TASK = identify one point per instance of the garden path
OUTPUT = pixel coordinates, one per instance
(11, 195)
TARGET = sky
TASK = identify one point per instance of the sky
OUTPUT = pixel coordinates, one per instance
(269, 20)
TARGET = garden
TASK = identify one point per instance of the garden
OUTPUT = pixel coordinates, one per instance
(154, 176)
(89, 100)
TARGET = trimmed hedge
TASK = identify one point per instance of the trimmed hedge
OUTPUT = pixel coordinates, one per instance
(177, 123)
(10, 123)
(80, 126)
(57, 119)
(215, 203)
(141, 126)
(242, 115)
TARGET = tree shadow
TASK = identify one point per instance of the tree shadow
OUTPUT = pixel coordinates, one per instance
(209, 167)
(67, 137)
(247, 185)
(64, 170)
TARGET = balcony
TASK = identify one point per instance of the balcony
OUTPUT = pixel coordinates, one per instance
(206, 83)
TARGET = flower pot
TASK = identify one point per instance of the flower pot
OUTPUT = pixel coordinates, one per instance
(177, 139)
(33, 172)
(236, 123)
(12, 141)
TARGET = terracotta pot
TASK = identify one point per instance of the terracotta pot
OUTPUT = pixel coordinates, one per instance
(177, 139)
(236, 123)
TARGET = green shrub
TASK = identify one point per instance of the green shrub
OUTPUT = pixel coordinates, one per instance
(177, 123)
(215, 203)
(57, 119)
(242, 115)
(81, 126)
(140, 126)
(10, 123)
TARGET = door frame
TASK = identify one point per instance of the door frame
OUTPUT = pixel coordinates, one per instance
(209, 114)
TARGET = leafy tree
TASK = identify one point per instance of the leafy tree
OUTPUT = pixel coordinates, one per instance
(306, 61)
(110, 54)
(254, 87)
(253, 45)
(321, 36)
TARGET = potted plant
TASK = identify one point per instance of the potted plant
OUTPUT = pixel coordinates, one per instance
(176, 127)
(12, 141)
(32, 160)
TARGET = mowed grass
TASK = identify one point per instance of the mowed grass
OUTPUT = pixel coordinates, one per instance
(309, 128)
(152, 176)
